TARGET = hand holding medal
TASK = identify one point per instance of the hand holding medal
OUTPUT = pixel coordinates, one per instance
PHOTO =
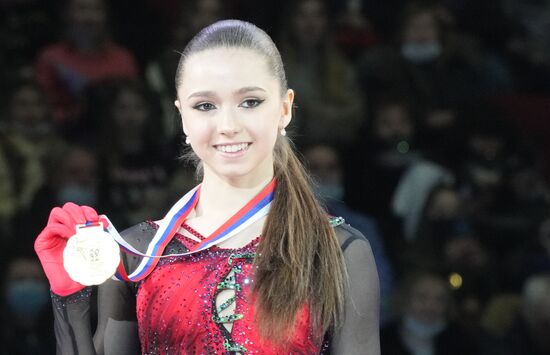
(51, 242)
(91, 255)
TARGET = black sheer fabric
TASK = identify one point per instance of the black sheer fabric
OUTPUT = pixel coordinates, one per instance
(360, 331)
(116, 331)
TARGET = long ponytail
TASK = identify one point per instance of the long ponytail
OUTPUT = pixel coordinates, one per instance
(299, 258)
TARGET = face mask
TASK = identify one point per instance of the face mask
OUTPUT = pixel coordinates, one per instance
(421, 52)
(84, 39)
(81, 195)
(422, 329)
(35, 130)
(27, 298)
(329, 191)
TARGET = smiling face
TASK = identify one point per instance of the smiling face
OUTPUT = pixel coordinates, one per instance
(232, 111)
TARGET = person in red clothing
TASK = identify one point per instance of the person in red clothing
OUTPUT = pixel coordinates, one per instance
(84, 57)
(252, 264)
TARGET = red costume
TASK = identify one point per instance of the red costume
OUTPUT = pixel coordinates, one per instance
(176, 306)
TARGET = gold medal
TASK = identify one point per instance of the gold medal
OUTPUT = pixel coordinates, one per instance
(91, 255)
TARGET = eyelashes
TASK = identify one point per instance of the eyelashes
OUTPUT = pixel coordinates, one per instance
(204, 106)
(247, 104)
(251, 103)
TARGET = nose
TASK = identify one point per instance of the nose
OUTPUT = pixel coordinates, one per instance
(228, 123)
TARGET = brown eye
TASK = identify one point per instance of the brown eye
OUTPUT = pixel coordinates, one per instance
(204, 106)
(251, 103)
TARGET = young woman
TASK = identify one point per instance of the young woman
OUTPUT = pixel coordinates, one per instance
(291, 281)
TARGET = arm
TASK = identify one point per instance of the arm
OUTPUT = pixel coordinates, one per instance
(116, 331)
(359, 333)
(72, 323)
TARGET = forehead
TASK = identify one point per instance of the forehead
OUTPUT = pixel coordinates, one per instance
(224, 68)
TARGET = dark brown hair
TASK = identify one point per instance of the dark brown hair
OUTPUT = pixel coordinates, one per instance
(299, 261)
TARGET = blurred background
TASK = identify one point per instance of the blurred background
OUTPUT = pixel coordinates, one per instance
(424, 124)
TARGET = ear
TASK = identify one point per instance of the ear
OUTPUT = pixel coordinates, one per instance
(286, 109)
(178, 106)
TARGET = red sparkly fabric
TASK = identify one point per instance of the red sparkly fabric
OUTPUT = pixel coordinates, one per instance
(176, 306)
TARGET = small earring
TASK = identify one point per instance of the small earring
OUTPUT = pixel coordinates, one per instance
(283, 132)
(187, 140)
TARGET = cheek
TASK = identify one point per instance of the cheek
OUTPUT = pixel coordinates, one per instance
(193, 126)
(268, 129)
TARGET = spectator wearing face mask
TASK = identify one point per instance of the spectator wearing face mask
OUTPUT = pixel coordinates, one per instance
(425, 325)
(85, 56)
(26, 317)
(324, 163)
(72, 176)
(435, 68)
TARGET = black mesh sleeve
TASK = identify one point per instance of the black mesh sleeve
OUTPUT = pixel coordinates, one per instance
(359, 333)
(72, 323)
(116, 330)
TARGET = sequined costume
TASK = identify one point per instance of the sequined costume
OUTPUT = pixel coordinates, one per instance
(175, 309)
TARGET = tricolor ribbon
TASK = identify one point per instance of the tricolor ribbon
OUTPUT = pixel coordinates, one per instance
(254, 210)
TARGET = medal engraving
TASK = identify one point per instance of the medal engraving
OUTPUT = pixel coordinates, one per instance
(91, 255)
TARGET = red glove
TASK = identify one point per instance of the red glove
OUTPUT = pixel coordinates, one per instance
(51, 242)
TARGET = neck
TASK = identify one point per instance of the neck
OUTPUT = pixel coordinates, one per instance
(221, 196)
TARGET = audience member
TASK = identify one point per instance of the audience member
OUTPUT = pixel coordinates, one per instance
(529, 332)
(26, 312)
(330, 108)
(72, 177)
(85, 56)
(435, 69)
(27, 143)
(528, 47)
(425, 325)
(380, 159)
(25, 26)
(354, 29)
(134, 169)
(325, 165)
(414, 190)
(531, 258)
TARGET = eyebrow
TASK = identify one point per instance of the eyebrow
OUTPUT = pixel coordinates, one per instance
(208, 93)
(249, 89)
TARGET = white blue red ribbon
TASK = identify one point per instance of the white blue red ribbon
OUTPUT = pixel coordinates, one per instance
(254, 210)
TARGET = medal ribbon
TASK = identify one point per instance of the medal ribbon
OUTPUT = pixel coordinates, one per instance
(254, 210)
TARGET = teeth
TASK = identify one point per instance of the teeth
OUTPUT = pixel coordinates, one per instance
(232, 148)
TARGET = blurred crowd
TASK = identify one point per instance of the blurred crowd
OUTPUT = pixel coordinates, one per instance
(423, 124)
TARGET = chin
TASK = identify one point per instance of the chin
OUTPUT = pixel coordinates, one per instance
(243, 172)
(232, 170)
